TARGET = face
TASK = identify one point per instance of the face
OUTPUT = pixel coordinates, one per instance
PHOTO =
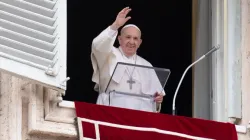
(130, 40)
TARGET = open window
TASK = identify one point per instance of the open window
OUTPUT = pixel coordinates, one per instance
(33, 40)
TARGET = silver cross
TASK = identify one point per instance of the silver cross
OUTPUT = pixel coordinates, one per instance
(130, 81)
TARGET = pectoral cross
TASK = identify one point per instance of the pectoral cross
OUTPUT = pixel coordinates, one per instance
(130, 81)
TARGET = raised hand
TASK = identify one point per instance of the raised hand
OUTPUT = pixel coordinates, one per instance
(121, 18)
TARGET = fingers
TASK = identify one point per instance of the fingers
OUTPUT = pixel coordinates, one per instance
(127, 18)
(158, 94)
(125, 10)
(121, 18)
(159, 98)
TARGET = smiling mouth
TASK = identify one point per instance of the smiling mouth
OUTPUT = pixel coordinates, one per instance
(131, 46)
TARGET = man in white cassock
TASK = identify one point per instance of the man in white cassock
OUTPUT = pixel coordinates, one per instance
(104, 58)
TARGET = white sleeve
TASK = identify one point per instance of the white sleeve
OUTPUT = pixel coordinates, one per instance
(105, 40)
(102, 47)
(112, 33)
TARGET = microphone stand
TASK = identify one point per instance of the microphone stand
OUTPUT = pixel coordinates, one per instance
(202, 57)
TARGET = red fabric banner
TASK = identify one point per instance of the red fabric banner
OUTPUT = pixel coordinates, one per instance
(111, 123)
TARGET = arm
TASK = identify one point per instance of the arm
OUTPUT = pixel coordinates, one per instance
(102, 45)
(104, 41)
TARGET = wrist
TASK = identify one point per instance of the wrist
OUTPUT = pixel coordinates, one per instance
(114, 26)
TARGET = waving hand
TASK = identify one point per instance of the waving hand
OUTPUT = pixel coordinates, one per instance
(121, 18)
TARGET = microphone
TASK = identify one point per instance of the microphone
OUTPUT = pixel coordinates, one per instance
(202, 57)
(212, 50)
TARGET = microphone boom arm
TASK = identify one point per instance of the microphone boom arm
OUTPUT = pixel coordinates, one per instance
(202, 57)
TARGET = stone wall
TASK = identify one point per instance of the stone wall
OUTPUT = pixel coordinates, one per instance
(31, 112)
(245, 11)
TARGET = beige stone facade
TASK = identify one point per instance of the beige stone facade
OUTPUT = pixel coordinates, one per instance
(29, 111)
(245, 79)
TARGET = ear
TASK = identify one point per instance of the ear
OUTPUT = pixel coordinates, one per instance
(140, 42)
(119, 39)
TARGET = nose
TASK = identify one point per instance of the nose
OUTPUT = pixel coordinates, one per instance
(131, 41)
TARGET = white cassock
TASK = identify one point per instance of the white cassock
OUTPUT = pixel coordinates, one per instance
(104, 59)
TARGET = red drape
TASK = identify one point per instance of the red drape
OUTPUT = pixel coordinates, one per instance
(174, 124)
